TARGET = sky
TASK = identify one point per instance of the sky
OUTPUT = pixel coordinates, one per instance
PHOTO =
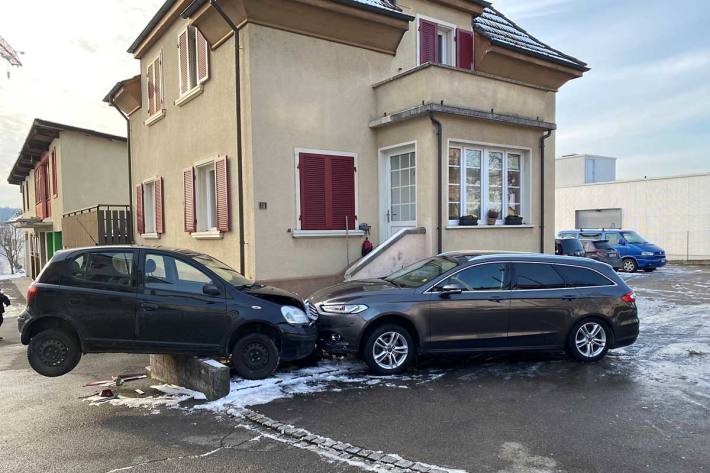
(646, 99)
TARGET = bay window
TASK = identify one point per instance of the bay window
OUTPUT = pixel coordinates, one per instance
(483, 180)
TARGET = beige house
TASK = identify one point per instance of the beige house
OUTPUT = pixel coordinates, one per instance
(74, 188)
(270, 133)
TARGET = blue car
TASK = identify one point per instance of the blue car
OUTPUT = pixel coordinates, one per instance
(635, 252)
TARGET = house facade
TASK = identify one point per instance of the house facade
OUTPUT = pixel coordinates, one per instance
(270, 134)
(68, 177)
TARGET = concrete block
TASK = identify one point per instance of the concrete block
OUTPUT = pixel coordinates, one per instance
(203, 375)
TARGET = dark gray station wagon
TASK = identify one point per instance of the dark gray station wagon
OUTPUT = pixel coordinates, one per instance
(466, 303)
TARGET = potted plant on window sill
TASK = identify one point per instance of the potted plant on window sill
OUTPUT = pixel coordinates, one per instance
(513, 220)
(492, 216)
(468, 220)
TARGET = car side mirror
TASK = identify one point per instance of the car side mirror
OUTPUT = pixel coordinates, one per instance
(211, 290)
(449, 290)
(622, 242)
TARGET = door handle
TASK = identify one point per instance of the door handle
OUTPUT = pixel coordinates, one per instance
(495, 299)
(148, 306)
(74, 301)
(568, 297)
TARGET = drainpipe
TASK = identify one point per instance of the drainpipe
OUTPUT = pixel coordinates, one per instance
(439, 189)
(545, 136)
(238, 100)
(130, 181)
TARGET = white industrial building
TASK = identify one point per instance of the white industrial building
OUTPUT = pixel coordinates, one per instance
(672, 212)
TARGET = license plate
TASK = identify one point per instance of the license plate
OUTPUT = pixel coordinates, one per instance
(613, 254)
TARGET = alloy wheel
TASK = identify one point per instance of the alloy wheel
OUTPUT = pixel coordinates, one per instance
(590, 339)
(390, 350)
(629, 265)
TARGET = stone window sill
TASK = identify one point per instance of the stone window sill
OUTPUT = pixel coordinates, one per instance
(325, 233)
(156, 117)
(207, 235)
(189, 95)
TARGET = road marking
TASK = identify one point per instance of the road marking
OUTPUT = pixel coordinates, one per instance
(331, 449)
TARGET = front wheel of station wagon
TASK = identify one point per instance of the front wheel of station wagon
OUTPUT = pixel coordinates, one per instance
(389, 349)
(53, 352)
(589, 340)
(255, 356)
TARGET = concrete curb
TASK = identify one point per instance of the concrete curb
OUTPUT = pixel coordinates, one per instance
(204, 375)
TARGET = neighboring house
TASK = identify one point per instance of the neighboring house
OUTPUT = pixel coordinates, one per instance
(672, 212)
(271, 148)
(576, 169)
(74, 188)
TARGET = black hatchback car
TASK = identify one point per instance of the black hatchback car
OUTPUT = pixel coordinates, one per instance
(467, 303)
(154, 300)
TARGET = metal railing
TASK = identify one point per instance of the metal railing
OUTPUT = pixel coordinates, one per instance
(102, 224)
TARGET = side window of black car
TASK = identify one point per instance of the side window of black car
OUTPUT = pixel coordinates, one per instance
(105, 270)
(582, 277)
(529, 276)
(482, 277)
(168, 273)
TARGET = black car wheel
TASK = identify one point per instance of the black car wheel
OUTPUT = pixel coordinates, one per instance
(389, 349)
(53, 352)
(589, 340)
(255, 356)
(629, 265)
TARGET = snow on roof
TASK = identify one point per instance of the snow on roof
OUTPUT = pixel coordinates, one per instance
(501, 31)
(384, 4)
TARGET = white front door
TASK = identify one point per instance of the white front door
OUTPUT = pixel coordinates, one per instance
(400, 199)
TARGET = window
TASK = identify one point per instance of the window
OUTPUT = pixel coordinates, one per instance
(482, 277)
(633, 238)
(536, 276)
(55, 190)
(582, 277)
(482, 180)
(110, 269)
(443, 43)
(164, 272)
(193, 59)
(206, 193)
(154, 85)
(613, 238)
(421, 272)
(326, 192)
(149, 206)
(206, 198)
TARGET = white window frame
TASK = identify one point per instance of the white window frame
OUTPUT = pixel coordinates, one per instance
(297, 232)
(150, 232)
(195, 86)
(159, 109)
(442, 27)
(525, 181)
(204, 206)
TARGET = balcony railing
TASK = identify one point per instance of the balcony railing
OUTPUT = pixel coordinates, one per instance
(98, 225)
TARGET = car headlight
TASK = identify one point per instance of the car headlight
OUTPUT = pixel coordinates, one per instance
(343, 308)
(294, 315)
(646, 253)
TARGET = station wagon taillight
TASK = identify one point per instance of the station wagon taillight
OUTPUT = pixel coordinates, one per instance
(629, 297)
(31, 292)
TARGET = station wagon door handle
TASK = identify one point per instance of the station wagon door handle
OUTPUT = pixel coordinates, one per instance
(495, 299)
(149, 306)
(569, 297)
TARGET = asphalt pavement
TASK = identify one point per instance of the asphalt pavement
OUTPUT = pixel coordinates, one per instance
(643, 408)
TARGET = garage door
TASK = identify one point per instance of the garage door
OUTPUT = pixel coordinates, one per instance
(598, 218)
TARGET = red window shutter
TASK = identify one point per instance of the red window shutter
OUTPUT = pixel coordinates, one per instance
(55, 191)
(464, 49)
(159, 226)
(183, 62)
(140, 216)
(151, 90)
(427, 41)
(189, 199)
(313, 193)
(342, 192)
(202, 53)
(157, 84)
(221, 172)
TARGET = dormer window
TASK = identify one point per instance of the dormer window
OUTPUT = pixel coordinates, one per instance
(443, 43)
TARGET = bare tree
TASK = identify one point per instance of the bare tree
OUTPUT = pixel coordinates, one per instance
(11, 243)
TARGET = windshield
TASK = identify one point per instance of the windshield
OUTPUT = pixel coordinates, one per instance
(632, 237)
(603, 245)
(571, 244)
(421, 272)
(230, 276)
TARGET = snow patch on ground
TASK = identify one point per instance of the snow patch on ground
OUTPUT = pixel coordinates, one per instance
(172, 397)
(6, 277)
